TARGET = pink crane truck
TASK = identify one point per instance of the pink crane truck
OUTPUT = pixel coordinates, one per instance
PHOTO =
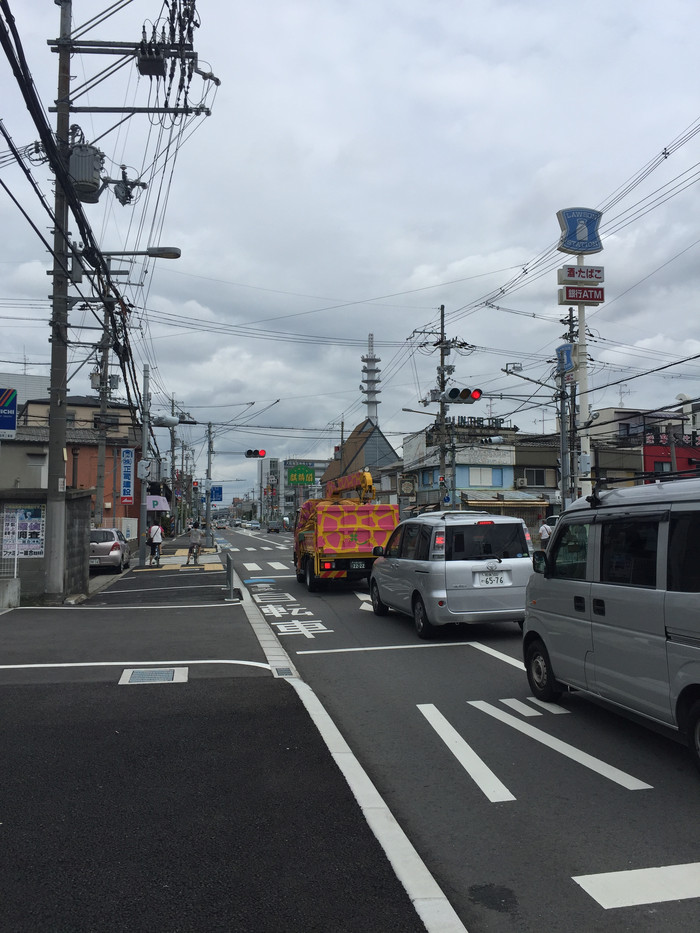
(334, 536)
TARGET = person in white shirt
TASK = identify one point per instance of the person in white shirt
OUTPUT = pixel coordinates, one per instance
(545, 534)
(155, 535)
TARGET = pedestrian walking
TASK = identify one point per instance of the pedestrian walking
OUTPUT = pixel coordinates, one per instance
(195, 544)
(545, 533)
(155, 539)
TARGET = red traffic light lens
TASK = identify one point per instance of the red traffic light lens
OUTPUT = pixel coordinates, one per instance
(476, 394)
(261, 453)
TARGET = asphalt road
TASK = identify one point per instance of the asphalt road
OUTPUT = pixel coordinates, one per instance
(155, 775)
(566, 817)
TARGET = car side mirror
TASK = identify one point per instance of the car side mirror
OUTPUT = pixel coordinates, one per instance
(539, 561)
(378, 551)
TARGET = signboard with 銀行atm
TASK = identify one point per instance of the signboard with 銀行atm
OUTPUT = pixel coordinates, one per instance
(581, 295)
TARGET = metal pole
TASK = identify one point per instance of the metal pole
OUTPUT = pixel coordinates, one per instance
(584, 406)
(563, 442)
(55, 559)
(145, 420)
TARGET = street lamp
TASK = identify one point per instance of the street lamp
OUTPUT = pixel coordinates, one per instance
(155, 252)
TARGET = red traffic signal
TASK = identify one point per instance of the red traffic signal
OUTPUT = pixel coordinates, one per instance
(461, 396)
(255, 453)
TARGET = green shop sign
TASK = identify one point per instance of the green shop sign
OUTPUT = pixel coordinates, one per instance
(301, 476)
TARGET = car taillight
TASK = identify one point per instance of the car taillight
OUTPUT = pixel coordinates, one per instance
(326, 565)
(485, 523)
(115, 547)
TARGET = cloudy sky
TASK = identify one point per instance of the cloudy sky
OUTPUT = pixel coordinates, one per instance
(363, 164)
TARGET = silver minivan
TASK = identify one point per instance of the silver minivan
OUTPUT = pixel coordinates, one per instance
(447, 567)
(614, 605)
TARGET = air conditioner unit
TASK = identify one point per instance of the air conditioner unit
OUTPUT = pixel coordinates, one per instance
(521, 482)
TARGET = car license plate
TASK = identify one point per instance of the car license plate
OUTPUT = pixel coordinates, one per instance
(357, 565)
(492, 579)
(94, 560)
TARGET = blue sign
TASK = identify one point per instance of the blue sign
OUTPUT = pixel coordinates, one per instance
(8, 413)
(579, 230)
(565, 358)
(217, 494)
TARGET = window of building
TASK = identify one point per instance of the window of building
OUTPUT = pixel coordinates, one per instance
(426, 478)
(662, 466)
(485, 476)
(535, 476)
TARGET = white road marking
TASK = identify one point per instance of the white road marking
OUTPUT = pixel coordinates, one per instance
(643, 885)
(575, 754)
(251, 549)
(498, 654)
(476, 768)
(550, 707)
(521, 707)
(252, 566)
(147, 664)
(277, 565)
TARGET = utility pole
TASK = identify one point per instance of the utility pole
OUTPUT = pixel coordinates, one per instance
(207, 488)
(145, 425)
(55, 555)
(442, 382)
(102, 426)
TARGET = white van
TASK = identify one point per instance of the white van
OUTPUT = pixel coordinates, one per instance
(447, 567)
(613, 607)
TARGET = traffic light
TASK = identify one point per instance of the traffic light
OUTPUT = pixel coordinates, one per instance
(195, 485)
(461, 396)
(255, 453)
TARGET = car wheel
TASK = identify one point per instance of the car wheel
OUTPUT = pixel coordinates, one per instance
(120, 568)
(424, 627)
(693, 732)
(540, 675)
(309, 576)
(380, 608)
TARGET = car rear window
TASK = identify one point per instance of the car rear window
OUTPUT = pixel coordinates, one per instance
(98, 536)
(486, 539)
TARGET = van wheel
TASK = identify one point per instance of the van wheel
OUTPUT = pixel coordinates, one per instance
(539, 672)
(309, 576)
(693, 731)
(380, 608)
(424, 628)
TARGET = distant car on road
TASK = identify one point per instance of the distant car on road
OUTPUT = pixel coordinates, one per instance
(109, 548)
(274, 526)
(254, 526)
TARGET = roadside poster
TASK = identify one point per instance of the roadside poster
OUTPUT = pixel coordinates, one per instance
(24, 530)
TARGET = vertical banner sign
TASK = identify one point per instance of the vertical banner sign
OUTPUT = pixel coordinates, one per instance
(8, 414)
(217, 494)
(127, 483)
